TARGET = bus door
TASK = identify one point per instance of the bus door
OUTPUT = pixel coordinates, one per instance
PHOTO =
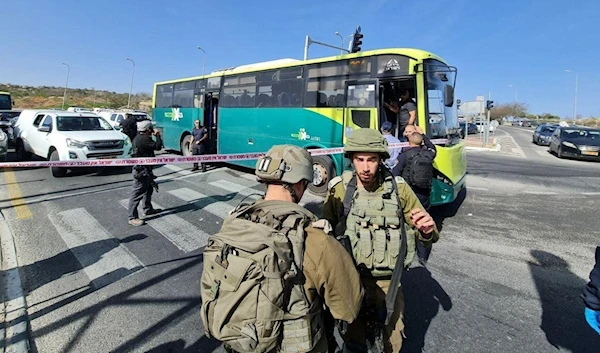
(361, 106)
(211, 120)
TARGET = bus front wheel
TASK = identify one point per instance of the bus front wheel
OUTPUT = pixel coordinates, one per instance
(323, 171)
(186, 145)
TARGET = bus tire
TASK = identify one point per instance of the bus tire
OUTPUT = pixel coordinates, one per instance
(186, 145)
(324, 171)
(57, 172)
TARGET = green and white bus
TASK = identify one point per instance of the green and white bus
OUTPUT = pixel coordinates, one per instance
(315, 104)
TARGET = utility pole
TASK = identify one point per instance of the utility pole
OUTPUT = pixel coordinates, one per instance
(576, 84)
(131, 86)
(487, 123)
(204, 60)
(66, 84)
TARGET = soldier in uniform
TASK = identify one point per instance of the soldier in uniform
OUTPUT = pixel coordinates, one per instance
(326, 274)
(379, 219)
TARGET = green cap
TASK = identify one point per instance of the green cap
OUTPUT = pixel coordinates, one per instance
(285, 163)
(367, 140)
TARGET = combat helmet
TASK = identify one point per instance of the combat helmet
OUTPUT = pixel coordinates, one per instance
(285, 164)
(366, 140)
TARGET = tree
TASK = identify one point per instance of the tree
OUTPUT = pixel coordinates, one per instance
(516, 109)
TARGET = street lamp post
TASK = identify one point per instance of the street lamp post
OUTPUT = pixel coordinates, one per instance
(342, 38)
(131, 85)
(516, 92)
(66, 84)
(576, 84)
(204, 60)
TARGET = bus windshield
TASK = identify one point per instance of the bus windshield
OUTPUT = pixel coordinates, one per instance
(442, 120)
(5, 102)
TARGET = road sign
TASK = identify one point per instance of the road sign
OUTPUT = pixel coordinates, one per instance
(494, 123)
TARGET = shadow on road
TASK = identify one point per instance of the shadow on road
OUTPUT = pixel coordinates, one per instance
(560, 291)
(128, 297)
(440, 213)
(202, 345)
(45, 271)
(423, 296)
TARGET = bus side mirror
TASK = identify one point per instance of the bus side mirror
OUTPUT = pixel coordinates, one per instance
(448, 96)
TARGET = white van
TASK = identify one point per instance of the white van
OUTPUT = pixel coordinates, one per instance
(61, 135)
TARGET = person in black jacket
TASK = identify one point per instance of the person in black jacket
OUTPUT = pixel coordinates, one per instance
(143, 178)
(128, 126)
(418, 143)
(591, 296)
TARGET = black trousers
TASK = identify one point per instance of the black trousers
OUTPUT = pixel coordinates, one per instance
(196, 151)
(141, 190)
(423, 252)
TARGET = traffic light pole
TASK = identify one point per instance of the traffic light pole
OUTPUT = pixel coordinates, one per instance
(310, 41)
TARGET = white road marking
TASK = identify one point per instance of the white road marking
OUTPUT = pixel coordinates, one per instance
(181, 233)
(477, 188)
(178, 169)
(208, 203)
(102, 257)
(234, 187)
(532, 192)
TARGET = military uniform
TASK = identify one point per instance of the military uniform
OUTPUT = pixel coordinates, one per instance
(271, 270)
(373, 228)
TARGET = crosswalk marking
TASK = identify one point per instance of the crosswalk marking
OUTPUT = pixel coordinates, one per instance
(248, 176)
(183, 234)
(234, 187)
(178, 169)
(207, 203)
(103, 258)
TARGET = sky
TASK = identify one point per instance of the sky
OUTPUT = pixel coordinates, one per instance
(524, 43)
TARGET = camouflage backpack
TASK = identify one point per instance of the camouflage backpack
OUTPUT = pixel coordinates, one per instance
(253, 298)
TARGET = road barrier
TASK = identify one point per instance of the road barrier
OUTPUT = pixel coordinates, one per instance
(206, 158)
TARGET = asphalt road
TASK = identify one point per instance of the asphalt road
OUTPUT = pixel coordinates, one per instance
(505, 276)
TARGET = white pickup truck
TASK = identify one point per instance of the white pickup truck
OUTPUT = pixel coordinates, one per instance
(59, 135)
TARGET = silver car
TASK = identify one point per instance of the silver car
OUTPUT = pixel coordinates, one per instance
(3, 146)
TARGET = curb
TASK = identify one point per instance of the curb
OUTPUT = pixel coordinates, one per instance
(470, 148)
(16, 338)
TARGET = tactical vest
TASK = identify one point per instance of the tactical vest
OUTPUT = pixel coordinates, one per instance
(253, 296)
(373, 228)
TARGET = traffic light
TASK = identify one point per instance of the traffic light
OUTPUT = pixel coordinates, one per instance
(356, 41)
(490, 105)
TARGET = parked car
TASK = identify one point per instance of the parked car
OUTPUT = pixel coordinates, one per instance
(575, 142)
(6, 118)
(62, 135)
(3, 146)
(116, 117)
(541, 135)
(471, 128)
(480, 126)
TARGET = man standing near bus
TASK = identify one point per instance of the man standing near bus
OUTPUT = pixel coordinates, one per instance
(408, 111)
(386, 130)
(199, 135)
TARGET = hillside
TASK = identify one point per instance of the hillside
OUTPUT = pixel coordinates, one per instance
(51, 97)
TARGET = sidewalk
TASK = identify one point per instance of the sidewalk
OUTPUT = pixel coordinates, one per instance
(475, 142)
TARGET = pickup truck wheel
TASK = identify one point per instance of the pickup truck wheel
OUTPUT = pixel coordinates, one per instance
(57, 172)
(22, 155)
